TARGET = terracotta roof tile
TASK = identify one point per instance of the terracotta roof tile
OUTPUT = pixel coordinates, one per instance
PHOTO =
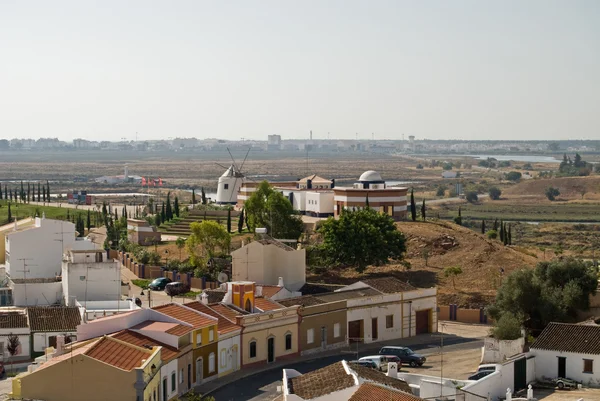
(179, 330)
(374, 392)
(226, 311)
(118, 354)
(266, 304)
(75, 351)
(224, 326)
(190, 316)
(565, 337)
(13, 320)
(175, 329)
(388, 285)
(51, 318)
(305, 300)
(372, 375)
(321, 382)
(270, 290)
(131, 337)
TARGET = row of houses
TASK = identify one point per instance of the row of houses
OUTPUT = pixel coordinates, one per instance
(162, 352)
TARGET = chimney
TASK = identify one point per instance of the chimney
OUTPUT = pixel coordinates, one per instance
(392, 370)
(204, 298)
(280, 282)
(333, 183)
(60, 345)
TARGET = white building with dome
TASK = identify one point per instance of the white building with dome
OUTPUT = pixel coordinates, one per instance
(371, 188)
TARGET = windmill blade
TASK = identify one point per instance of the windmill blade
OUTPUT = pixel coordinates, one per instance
(220, 165)
(232, 159)
(244, 162)
(233, 191)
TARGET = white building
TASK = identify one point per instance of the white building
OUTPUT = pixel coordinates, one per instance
(14, 321)
(568, 350)
(47, 323)
(90, 275)
(229, 186)
(449, 174)
(36, 251)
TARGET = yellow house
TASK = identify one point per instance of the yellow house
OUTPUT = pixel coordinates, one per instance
(100, 369)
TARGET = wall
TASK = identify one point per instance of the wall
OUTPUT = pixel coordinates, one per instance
(84, 379)
(497, 351)
(546, 365)
(318, 316)
(378, 307)
(417, 300)
(229, 358)
(204, 353)
(8, 228)
(165, 373)
(474, 316)
(24, 348)
(41, 341)
(494, 385)
(91, 281)
(36, 294)
(319, 203)
(145, 372)
(182, 364)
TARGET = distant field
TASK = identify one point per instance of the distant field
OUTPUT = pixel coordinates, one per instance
(21, 210)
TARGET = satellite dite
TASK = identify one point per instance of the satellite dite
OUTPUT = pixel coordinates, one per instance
(230, 182)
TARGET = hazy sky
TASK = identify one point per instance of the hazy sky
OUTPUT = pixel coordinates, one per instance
(232, 69)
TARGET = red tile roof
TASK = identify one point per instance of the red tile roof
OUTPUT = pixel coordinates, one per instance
(190, 316)
(269, 291)
(266, 304)
(180, 330)
(224, 326)
(53, 318)
(321, 382)
(118, 354)
(131, 337)
(566, 337)
(226, 311)
(13, 320)
(374, 392)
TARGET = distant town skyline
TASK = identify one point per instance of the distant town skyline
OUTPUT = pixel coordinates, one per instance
(465, 70)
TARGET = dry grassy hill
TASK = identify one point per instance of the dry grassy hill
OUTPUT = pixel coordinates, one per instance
(570, 187)
(448, 245)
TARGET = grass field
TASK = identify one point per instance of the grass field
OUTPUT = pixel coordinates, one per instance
(23, 210)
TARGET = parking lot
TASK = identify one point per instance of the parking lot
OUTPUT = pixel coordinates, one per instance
(456, 364)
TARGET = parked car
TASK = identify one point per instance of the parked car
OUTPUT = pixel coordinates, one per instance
(484, 370)
(176, 288)
(159, 284)
(480, 375)
(365, 363)
(381, 361)
(406, 355)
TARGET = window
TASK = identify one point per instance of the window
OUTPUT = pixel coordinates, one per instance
(223, 358)
(588, 366)
(173, 381)
(199, 338)
(211, 335)
(211, 362)
(389, 321)
(225, 186)
(181, 376)
(288, 342)
(336, 330)
(252, 349)
(310, 336)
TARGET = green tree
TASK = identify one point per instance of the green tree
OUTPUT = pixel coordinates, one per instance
(471, 196)
(44, 194)
(1, 191)
(6, 193)
(193, 196)
(9, 213)
(452, 272)
(483, 226)
(22, 193)
(157, 220)
(552, 292)
(39, 192)
(501, 231)
(553, 146)
(180, 243)
(509, 235)
(458, 219)
(413, 206)
(163, 214)
(508, 327)
(441, 191)
(28, 192)
(361, 238)
(513, 176)
(169, 209)
(270, 209)
(89, 220)
(176, 206)
(423, 210)
(203, 196)
(241, 222)
(206, 238)
(228, 219)
(495, 193)
(12, 346)
(552, 193)
(48, 190)
(419, 166)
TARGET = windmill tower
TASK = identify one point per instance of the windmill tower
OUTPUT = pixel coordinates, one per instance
(230, 182)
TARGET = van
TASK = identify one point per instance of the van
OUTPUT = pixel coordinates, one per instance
(381, 361)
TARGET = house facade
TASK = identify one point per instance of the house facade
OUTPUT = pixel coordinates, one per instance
(141, 232)
(323, 327)
(90, 275)
(15, 323)
(47, 323)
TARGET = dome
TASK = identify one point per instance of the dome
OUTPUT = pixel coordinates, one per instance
(370, 176)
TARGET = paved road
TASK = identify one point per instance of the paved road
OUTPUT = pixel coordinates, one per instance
(263, 386)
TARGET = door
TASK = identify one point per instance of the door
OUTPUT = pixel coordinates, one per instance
(270, 350)
(199, 370)
(562, 367)
(355, 331)
(164, 390)
(422, 320)
(189, 378)
(323, 337)
(374, 333)
(520, 374)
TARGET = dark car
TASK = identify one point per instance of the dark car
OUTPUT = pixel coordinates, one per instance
(176, 288)
(406, 355)
(159, 284)
(366, 364)
(480, 375)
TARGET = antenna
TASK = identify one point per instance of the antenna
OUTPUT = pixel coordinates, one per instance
(25, 271)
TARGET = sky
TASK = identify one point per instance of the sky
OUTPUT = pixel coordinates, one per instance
(106, 70)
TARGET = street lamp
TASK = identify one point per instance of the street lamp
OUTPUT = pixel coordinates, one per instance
(166, 257)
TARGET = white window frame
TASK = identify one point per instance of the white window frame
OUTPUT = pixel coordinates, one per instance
(336, 330)
(211, 335)
(310, 336)
(211, 362)
(199, 338)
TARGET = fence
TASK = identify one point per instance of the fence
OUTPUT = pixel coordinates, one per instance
(152, 272)
(454, 313)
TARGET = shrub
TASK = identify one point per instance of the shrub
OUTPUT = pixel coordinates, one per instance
(552, 193)
(513, 176)
(419, 166)
(508, 327)
(492, 234)
(447, 166)
(472, 197)
(441, 191)
(495, 193)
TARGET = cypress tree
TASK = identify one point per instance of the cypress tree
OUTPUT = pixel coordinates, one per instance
(176, 207)
(124, 212)
(11, 195)
(68, 215)
(501, 231)
(163, 214)
(413, 207)
(203, 195)
(22, 194)
(104, 210)
(228, 219)
(510, 234)
(44, 194)
(1, 191)
(48, 190)
(33, 193)
(5, 192)
(89, 221)
(116, 214)
(483, 226)
(39, 191)
(28, 191)
(193, 196)
(423, 210)
(495, 224)
(367, 201)
(157, 220)
(241, 222)
(169, 210)
(9, 213)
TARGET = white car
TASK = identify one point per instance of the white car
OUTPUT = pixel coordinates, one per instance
(381, 361)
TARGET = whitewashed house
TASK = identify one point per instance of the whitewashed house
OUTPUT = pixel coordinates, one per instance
(14, 321)
(88, 275)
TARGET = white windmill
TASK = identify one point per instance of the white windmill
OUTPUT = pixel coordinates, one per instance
(230, 182)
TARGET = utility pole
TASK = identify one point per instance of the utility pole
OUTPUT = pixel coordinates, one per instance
(442, 362)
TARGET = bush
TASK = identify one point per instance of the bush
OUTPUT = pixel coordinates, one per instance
(472, 197)
(441, 191)
(513, 176)
(504, 163)
(447, 166)
(495, 193)
(492, 234)
(527, 166)
(508, 327)
(552, 193)
(419, 166)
